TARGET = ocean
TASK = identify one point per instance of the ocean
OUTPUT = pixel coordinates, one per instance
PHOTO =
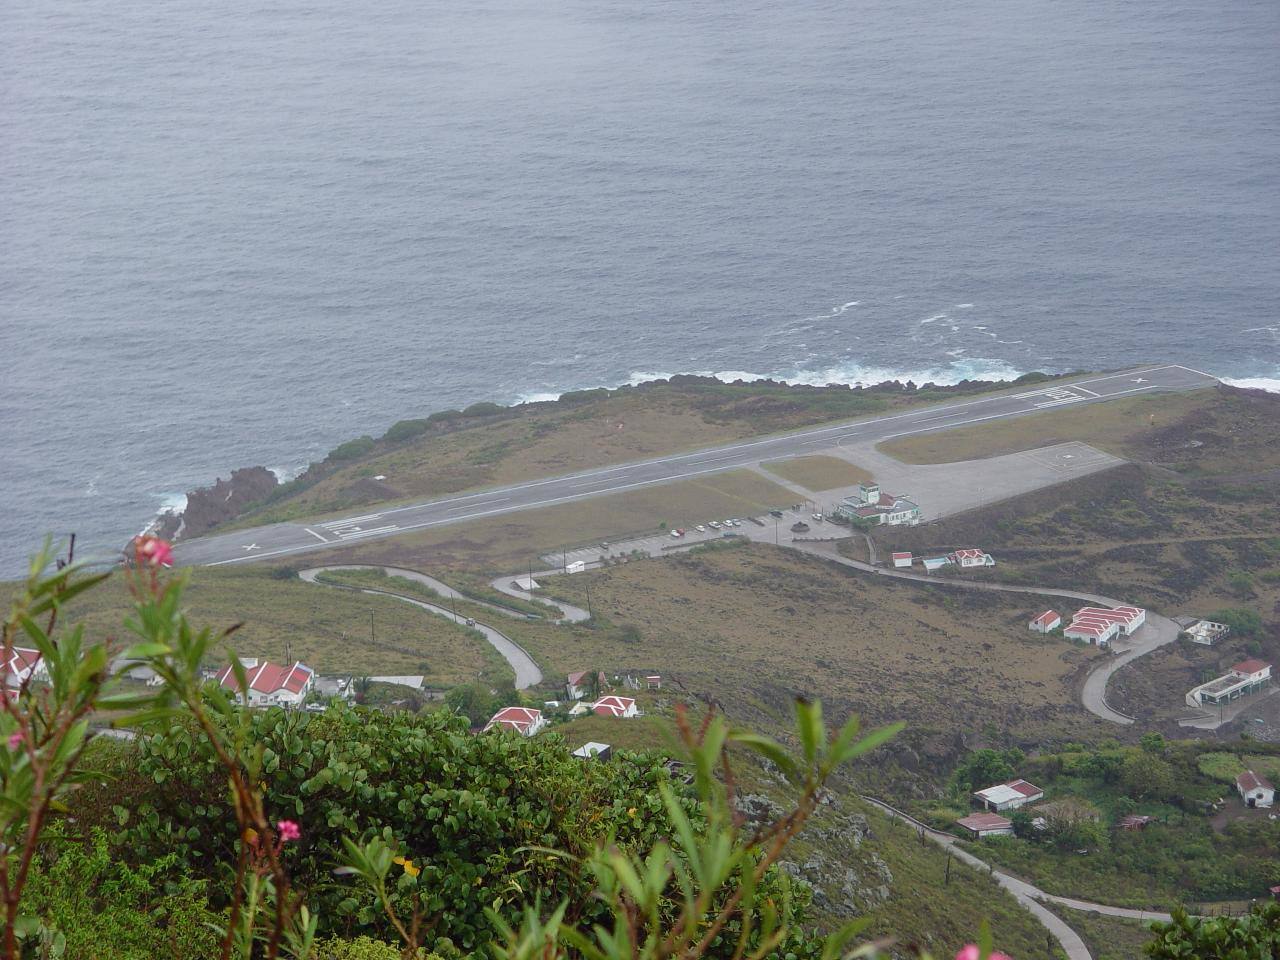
(240, 233)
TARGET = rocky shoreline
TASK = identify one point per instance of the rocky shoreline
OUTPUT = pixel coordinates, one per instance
(207, 507)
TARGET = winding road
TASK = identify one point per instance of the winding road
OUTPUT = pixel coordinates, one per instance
(525, 668)
(1027, 894)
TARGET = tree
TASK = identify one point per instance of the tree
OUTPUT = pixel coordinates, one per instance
(1152, 743)
(1022, 824)
(1255, 936)
(1145, 775)
(1242, 621)
(982, 768)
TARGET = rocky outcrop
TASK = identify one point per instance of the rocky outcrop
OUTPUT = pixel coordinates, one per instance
(209, 506)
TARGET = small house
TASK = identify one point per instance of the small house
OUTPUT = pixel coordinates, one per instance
(615, 706)
(1047, 622)
(1008, 796)
(578, 684)
(653, 682)
(979, 825)
(525, 721)
(576, 567)
(902, 560)
(270, 684)
(972, 558)
(24, 663)
(1254, 790)
(592, 749)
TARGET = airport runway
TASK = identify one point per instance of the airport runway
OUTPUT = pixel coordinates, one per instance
(285, 539)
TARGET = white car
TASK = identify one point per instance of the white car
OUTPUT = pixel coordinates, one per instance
(714, 524)
(675, 534)
(736, 522)
(817, 518)
(700, 528)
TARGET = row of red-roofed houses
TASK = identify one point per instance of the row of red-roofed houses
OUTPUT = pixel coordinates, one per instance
(528, 721)
(965, 559)
(1101, 625)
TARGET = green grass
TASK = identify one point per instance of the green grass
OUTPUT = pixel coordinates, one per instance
(1108, 938)
(818, 473)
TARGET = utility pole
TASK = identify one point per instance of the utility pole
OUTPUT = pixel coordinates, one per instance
(373, 639)
(591, 615)
(946, 880)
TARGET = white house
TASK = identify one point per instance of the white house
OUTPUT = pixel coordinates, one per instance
(972, 558)
(576, 684)
(1246, 677)
(1254, 790)
(871, 505)
(1008, 796)
(979, 825)
(1207, 632)
(593, 748)
(901, 559)
(24, 663)
(614, 706)
(1047, 622)
(1101, 625)
(271, 684)
(525, 721)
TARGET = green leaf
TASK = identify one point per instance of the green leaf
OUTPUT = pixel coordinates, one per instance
(809, 727)
(868, 743)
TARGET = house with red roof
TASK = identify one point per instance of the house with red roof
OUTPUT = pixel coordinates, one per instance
(578, 683)
(1009, 795)
(972, 557)
(525, 721)
(1047, 622)
(1246, 677)
(614, 706)
(23, 664)
(1101, 625)
(979, 825)
(902, 559)
(271, 684)
(1255, 791)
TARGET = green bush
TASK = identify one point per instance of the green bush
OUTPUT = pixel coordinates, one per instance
(1255, 936)
(468, 808)
(361, 948)
(483, 409)
(353, 449)
(406, 430)
(108, 910)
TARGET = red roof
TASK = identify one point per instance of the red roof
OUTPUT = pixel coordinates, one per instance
(868, 511)
(21, 660)
(268, 677)
(518, 719)
(887, 500)
(1251, 781)
(1024, 787)
(970, 552)
(1047, 617)
(1252, 665)
(985, 821)
(613, 706)
(901, 556)
(1091, 628)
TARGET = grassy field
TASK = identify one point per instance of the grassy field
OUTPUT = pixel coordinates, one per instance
(590, 429)
(327, 628)
(503, 544)
(818, 473)
(1108, 938)
(753, 626)
(1218, 431)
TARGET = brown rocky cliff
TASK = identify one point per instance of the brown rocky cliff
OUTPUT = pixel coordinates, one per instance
(209, 506)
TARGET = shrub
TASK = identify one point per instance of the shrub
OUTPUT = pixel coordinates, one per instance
(1255, 936)
(353, 449)
(406, 430)
(483, 409)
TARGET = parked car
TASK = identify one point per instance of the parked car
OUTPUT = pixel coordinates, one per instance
(681, 531)
(676, 534)
(736, 522)
(817, 518)
(700, 528)
(776, 513)
(714, 524)
(471, 621)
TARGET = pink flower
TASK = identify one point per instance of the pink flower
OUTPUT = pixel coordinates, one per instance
(15, 740)
(288, 830)
(970, 951)
(153, 551)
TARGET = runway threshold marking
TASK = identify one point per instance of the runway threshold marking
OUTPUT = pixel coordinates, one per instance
(316, 535)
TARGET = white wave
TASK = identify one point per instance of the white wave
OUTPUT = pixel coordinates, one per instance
(538, 397)
(964, 306)
(285, 474)
(1271, 385)
(171, 503)
(936, 316)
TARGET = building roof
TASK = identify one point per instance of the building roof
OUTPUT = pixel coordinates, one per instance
(985, 821)
(868, 511)
(1251, 781)
(1252, 665)
(1047, 617)
(613, 706)
(1013, 790)
(21, 659)
(887, 499)
(1078, 626)
(1123, 615)
(518, 719)
(267, 677)
(970, 552)
(901, 556)
(591, 748)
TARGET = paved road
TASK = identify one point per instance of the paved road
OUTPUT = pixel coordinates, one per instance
(287, 539)
(1029, 895)
(526, 670)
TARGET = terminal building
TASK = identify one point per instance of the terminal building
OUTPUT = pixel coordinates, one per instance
(1246, 677)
